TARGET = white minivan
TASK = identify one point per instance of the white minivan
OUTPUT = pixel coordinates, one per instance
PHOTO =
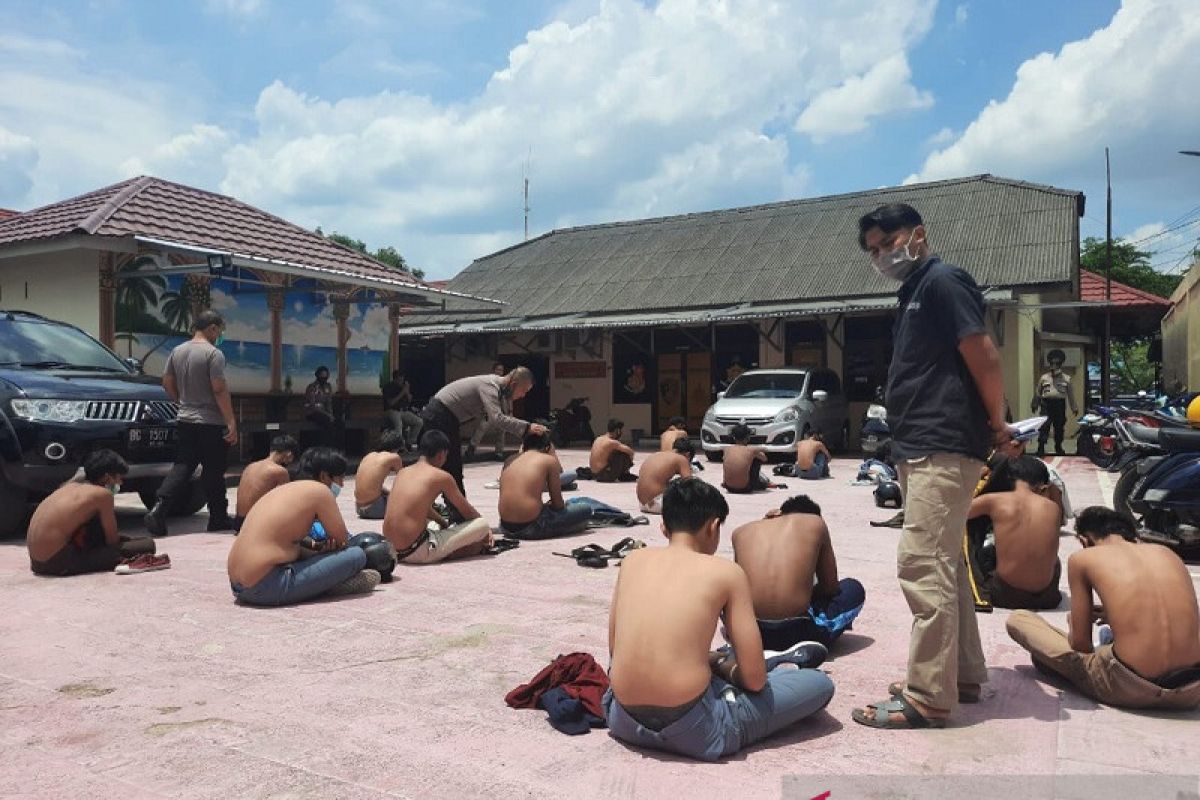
(780, 406)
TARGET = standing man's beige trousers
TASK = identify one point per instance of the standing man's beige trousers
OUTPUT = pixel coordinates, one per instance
(944, 648)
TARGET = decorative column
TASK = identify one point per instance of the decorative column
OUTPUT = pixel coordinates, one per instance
(341, 313)
(275, 299)
(393, 338)
(108, 300)
(199, 296)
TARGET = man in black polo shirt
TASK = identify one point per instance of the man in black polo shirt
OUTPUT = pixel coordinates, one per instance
(945, 400)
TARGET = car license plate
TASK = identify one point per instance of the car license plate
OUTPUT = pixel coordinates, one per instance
(151, 437)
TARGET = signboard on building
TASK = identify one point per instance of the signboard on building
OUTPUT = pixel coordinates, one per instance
(580, 369)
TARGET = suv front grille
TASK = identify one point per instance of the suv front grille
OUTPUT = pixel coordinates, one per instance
(131, 410)
(124, 410)
(751, 421)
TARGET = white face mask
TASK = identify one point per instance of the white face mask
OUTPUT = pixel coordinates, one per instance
(898, 263)
(336, 488)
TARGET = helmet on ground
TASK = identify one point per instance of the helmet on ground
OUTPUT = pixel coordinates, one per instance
(887, 494)
(1193, 412)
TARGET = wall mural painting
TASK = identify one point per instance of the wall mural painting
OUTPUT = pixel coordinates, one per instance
(154, 314)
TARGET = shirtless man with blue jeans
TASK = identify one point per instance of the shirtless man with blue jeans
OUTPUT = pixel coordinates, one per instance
(668, 691)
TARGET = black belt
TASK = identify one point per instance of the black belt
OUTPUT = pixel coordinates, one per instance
(412, 548)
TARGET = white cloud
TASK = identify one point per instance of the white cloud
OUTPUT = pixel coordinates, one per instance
(18, 158)
(845, 109)
(961, 12)
(629, 111)
(187, 157)
(942, 137)
(1128, 85)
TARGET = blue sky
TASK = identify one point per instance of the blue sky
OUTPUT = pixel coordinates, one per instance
(411, 124)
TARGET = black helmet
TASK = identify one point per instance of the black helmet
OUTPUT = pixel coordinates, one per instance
(887, 493)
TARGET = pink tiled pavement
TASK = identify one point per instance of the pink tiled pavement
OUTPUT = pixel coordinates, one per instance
(157, 685)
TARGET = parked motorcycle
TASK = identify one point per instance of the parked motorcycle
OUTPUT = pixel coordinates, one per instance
(1161, 487)
(1099, 442)
(572, 423)
(875, 431)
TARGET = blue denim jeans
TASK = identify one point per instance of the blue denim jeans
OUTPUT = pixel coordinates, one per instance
(598, 508)
(728, 719)
(302, 580)
(818, 470)
(826, 620)
(552, 523)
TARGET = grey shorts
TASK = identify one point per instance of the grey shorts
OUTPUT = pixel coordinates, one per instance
(375, 509)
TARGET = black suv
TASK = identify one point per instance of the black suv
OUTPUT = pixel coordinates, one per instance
(63, 395)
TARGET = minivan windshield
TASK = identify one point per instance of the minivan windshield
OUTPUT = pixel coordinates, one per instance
(41, 344)
(767, 385)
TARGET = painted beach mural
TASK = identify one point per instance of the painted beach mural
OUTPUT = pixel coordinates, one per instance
(153, 314)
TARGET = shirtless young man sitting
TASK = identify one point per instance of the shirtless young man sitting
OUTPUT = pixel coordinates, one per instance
(419, 533)
(667, 691)
(789, 560)
(370, 498)
(660, 469)
(1150, 603)
(743, 463)
(260, 477)
(812, 457)
(676, 430)
(611, 460)
(268, 566)
(534, 472)
(74, 530)
(1026, 526)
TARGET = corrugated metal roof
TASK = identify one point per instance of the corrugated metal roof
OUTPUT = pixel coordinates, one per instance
(697, 316)
(1004, 232)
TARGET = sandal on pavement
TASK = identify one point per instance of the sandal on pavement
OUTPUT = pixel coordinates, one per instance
(966, 692)
(589, 555)
(884, 709)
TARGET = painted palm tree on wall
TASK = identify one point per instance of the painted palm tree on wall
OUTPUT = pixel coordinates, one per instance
(138, 291)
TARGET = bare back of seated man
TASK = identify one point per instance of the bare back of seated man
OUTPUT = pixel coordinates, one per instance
(807, 451)
(675, 431)
(659, 469)
(1026, 524)
(260, 477)
(667, 688)
(1149, 601)
(410, 510)
(370, 498)
(789, 559)
(610, 459)
(537, 471)
(742, 463)
(74, 530)
(786, 558)
(267, 565)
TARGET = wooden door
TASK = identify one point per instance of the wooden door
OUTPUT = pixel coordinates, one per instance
(699, 389)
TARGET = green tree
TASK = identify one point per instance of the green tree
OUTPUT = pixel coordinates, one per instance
(1130, 266)
(388, 255)
(1131, 368)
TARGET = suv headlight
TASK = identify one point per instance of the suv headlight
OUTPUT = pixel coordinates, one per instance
(787, 415)
(50, 410)
(711, 414)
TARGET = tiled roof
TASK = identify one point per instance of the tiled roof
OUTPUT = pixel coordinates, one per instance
(1004, 232)
(158, 209)
(5, 213)
(1092, 290)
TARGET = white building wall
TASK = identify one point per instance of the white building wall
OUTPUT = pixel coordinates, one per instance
(64, 285)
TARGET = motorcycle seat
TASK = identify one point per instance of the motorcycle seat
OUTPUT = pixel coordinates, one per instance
(1179, 440)
(1144, 434)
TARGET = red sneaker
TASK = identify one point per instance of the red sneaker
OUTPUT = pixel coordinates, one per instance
(143, 563)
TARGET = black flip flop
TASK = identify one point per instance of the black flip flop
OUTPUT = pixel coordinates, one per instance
(589, 555)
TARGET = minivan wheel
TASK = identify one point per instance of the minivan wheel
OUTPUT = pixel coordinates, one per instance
(15, 502)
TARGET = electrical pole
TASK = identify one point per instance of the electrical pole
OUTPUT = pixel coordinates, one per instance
(526, 171)
(1106, 345)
